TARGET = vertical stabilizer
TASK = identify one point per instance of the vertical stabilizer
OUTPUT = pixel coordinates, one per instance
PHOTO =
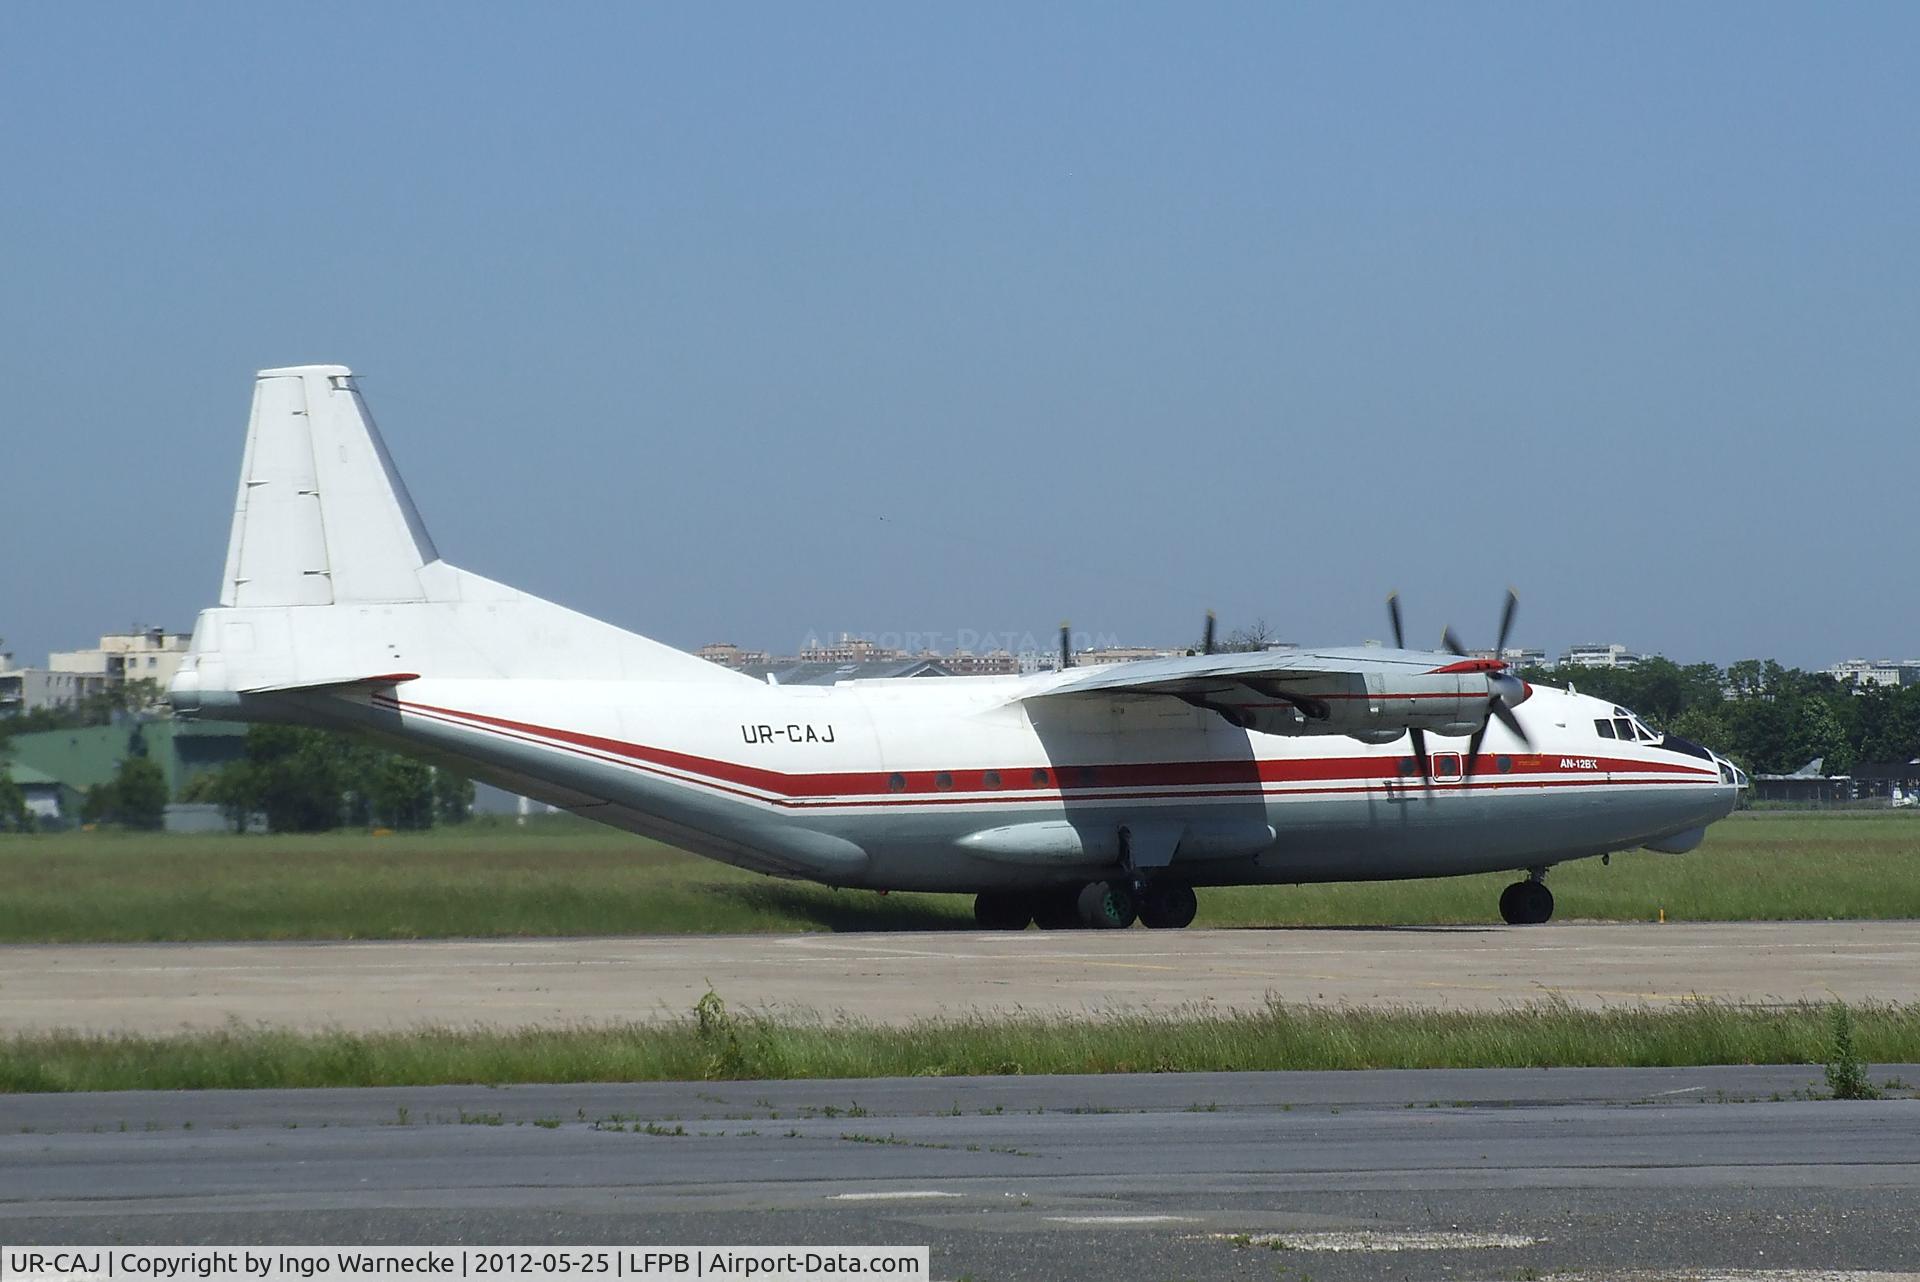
(322, 517)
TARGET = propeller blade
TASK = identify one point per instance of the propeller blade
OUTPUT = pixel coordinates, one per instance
(1419, 738)
(1511, 722)
(1473, 747)
(1206, 637)
(1393, 613)
(1066, 645)
(1451, 643)
(1506, 622)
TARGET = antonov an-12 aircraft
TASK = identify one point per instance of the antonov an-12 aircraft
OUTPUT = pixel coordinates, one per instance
(1089, 796)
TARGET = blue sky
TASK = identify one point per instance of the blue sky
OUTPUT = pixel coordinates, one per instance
(750, 322)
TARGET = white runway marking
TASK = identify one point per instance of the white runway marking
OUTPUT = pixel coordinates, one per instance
(902, 1195)
(1744, 1275)
(1119, 1219)
(1370, 1240)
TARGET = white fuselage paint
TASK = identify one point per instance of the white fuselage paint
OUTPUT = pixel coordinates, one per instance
(892, 784)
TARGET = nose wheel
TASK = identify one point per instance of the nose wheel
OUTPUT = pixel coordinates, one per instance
(1526, 903)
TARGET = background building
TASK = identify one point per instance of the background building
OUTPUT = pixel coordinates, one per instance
(1599, 656)
(37, 689)
(151, 654)
(1876, 672)
(85, 757)
(1514, 656)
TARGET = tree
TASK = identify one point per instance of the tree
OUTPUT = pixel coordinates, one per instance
(1258, 635)
(1888, 727)
(234, 787)
(136, 796)
(452, 796)
(299, 777)
(1818, 733)
(1702, 724)
(403, 793)
(14, 815)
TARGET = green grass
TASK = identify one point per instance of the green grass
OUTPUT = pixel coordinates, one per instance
(571, 878)
(722, 1045)
(1764, 866)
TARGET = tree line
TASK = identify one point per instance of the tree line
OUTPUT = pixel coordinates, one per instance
(299, 780)
(304, 780)
(1768, 718)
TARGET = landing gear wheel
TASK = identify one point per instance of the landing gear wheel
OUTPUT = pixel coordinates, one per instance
(1056, 908)
(1526, 903)
(1168, 905)
(1107, 905)
(1001, 910)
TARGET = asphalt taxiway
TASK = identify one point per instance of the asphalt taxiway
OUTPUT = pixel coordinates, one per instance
(898, 977)
(1488, 1174)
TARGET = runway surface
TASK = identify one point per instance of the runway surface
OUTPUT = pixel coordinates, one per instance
(1478, 1174)
(901, 976)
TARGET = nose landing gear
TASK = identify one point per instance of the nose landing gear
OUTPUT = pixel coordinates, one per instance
(1527, 903)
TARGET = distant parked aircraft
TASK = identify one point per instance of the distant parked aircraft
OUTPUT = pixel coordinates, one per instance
(1088, 796)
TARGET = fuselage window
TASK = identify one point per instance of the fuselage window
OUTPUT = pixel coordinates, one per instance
(896, 783)
(1503, 763)
(943, 781)
(991, 779)
(1605, 728)
(1040, 778)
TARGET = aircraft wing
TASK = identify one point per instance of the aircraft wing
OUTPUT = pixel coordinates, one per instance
(1372, 693)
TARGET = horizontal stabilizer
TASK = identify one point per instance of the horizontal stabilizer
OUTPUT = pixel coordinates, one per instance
(385, 679)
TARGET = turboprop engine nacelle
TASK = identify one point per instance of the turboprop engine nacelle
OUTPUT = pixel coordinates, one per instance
(1373, 708)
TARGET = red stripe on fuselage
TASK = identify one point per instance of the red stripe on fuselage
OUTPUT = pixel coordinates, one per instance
(1114, 781)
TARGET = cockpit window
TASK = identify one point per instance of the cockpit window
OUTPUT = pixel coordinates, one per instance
(1605, 728)
(1624, 727)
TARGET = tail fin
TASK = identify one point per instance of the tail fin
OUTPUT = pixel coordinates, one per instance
(322, 517)
(324, 528)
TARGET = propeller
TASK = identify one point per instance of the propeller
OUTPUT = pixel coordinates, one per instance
(1206, 635)
(1416, 734)
(1066, 645)
(1505, 689)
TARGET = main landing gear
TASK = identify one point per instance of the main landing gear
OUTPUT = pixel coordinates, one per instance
(1099, 905)
(1527, 903)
